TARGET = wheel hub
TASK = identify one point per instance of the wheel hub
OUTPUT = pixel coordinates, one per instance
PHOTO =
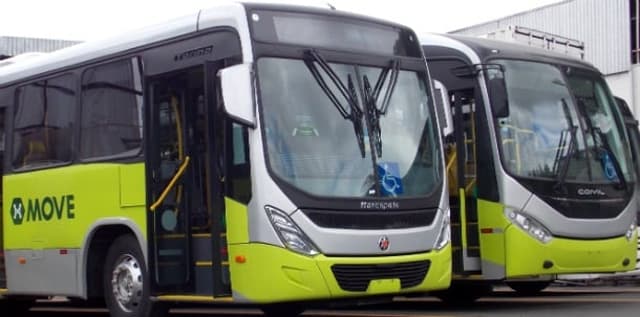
(127, 283)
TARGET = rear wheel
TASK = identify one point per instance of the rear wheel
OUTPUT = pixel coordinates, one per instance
(528, 288)
(126, 285)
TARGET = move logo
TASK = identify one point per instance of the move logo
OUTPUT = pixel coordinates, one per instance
(17, 211)
(42, 209)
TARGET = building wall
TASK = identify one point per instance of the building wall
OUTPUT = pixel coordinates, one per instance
(11, 46)
(620, 85)
(635, 89)
(603, 25)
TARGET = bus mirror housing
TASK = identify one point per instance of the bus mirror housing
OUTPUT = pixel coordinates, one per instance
(236, 83)
(443, 108)
(497, 90)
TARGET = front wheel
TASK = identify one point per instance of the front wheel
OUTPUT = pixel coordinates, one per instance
(126, 285)
(463, 293)
(15, 306)
(528, 288)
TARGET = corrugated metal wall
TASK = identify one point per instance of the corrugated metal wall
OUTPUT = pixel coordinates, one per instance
(11, 46)
(603, 25)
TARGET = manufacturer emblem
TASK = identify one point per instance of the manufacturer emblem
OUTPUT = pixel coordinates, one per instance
(591, 192)
(383, 243)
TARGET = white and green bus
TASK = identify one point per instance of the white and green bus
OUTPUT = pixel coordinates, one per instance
(540, 174)
(254, 154)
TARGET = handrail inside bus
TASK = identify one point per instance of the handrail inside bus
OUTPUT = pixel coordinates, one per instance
(176, 110)
(171, 184)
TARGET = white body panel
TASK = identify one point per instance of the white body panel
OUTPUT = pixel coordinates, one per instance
(231, 15)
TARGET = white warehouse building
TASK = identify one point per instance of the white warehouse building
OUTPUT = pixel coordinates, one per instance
(12, 45)
(608, 29)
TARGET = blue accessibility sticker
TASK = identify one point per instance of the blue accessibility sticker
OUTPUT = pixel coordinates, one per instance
(390, 179)
(608, 167)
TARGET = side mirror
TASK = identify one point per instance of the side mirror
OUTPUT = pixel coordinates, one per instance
(443, 108)
(497, 89)
(236, 83)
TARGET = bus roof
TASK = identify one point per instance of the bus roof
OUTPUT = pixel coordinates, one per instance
(231, 14)
(491, 49)
(84, 52)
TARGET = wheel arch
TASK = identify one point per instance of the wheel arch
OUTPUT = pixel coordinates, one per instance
(94, 249)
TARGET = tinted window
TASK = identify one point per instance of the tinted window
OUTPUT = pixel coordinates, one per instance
(111, 110)
(43, 121)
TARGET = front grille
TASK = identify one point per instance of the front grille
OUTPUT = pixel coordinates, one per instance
(356, 277)
(371, 220)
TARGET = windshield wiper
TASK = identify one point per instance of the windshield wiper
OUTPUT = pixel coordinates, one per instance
(605, 152)
(349, 93)
(371, 101)
(562, 170)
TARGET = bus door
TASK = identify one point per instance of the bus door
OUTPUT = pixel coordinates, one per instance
(3, 276)
(183, 181)
(169, 165)
(216, 136)
(457, 90)
(464, 198)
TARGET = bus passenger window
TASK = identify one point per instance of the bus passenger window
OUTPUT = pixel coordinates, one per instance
(111, 110)
(42, 122)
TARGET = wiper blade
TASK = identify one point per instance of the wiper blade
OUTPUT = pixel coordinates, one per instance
(394, 69)
(356, 116)
(605, 152)
(562, 170)
(349, 94)
(371, 96)
(373, 115)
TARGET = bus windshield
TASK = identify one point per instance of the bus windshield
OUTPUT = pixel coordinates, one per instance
(322, 146)
(566, 131)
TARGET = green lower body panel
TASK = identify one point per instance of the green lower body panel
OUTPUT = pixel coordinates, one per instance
(526, 256)
(272, 274)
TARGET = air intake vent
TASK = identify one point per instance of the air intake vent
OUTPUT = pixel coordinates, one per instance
(356, 277)
(371, 220)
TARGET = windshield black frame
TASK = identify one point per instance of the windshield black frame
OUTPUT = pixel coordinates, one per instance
(308, 200)
(579, 122)
(610, 198)
(597, 79)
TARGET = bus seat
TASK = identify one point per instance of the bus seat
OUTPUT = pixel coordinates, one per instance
(36, 152)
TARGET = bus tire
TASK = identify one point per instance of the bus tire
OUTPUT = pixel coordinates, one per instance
(528, 288)
(463, 293)
(282, 310)
(126, 281)
(15, 307)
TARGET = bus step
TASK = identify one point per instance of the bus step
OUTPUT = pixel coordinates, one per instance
(203, 249)
(193, 236)
(209, 264)
(205, 274)
(3, 275)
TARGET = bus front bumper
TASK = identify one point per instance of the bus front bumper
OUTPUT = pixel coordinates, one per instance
(272, 274)
(526, 256)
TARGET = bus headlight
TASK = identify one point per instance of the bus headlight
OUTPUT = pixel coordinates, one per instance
(444, 237)
(531, 226)
(632, 229)
(290, 234)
